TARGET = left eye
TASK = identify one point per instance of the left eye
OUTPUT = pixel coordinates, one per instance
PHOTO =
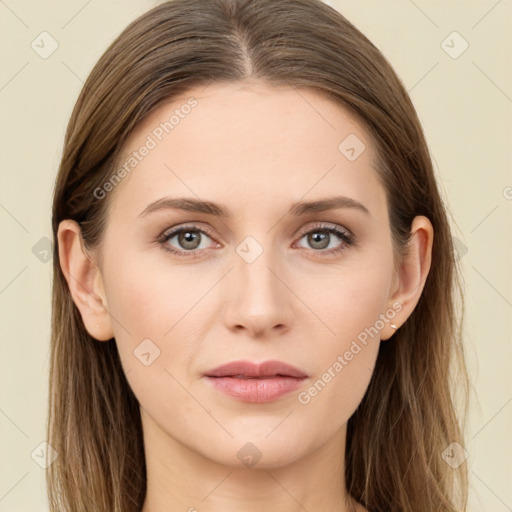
(320, 237)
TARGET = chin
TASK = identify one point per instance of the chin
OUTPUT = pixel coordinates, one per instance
(256, 449)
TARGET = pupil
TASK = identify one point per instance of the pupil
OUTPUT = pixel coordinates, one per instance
(187, 240)
(319, 240)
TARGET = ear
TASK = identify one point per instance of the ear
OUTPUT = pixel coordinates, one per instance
(84, 280)
(411, 274)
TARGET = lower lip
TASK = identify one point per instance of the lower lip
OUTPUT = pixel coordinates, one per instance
(256, 390)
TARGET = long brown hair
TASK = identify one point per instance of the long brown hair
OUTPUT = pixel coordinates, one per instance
(396, 438)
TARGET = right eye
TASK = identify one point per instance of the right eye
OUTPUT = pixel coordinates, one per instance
(188, 238)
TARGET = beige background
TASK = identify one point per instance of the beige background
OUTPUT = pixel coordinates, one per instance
(465, 105)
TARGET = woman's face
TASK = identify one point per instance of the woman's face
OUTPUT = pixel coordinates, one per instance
(266, 281)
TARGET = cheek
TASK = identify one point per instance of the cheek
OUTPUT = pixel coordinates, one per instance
(151, 307)
(348, 301)
(149, 295)
(352, 308)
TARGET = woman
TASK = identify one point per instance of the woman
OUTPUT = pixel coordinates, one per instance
(255, 291)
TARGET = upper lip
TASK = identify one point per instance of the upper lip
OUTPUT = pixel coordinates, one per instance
(250, 369)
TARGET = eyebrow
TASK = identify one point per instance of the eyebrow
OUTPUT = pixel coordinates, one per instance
(210, 208)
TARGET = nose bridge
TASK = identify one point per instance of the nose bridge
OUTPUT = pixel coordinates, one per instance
(259, 300)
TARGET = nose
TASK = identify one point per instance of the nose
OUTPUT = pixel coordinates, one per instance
(260, 302)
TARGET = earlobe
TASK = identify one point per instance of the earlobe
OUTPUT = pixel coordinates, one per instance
(84, 281)
(411, 274)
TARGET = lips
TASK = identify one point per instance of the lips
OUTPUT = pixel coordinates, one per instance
(256, 383)
(247, 370)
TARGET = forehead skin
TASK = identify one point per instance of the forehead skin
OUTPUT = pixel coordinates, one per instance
(252, 147)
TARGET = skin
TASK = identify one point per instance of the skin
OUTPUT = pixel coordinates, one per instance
(255, 149)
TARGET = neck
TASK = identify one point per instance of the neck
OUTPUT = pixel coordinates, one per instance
(180, 479)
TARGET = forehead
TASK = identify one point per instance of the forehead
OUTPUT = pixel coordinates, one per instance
(237, 141)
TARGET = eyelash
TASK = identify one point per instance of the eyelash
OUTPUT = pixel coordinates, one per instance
(347, 238)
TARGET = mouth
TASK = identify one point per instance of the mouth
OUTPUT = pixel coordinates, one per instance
(256, 383)
(248, 370)
(246, 377)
